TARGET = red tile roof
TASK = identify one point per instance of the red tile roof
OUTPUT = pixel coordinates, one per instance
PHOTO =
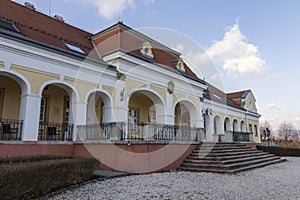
(45, 29)
(120, 36)
(42, 28)
(235, 95)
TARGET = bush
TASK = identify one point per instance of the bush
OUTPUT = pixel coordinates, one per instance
(28, 180)
(26, 159)
(280, 151)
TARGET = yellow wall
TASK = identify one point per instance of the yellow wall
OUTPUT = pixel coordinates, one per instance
(56, 103)
(248, 100)
(143, 104)
(12, 98)
(160, 91)
(35, 77)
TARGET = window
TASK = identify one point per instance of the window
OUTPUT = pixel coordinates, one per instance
(255, 130)
(152, 116)
(179, 64)
(74, 47)
(146, 49)
(66, 109)
(8, 26)
(250, 128)
(250, 105)
(133, 118)
(43, 109)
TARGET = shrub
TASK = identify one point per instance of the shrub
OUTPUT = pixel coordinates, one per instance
(280, 151)
(25, 159)
(27, 180)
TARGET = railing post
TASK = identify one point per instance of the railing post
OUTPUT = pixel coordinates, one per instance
(229, 136)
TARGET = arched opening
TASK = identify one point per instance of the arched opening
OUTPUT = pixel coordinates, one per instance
(217, 125)
(227, 126)
(235, 126)
(182, 115)
(99, 108)
(206, 118)
(145, 110)
(99, 116)
(11, 120)
(56, 118)
(243, 127)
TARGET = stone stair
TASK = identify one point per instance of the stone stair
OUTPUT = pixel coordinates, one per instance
(227, 158)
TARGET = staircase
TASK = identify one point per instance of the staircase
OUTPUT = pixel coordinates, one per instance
(227, 158)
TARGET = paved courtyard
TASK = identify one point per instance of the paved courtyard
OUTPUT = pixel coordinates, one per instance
(280, 181)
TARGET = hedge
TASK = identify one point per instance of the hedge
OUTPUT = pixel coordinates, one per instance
(26, 159)
(280, 151)
(29, 180)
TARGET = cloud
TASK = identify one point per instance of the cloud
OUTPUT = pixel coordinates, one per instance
(111, 9)
(273, 106)
(236, 55)
(276, 120)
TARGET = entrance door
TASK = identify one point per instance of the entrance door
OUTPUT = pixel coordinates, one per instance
(1, 101)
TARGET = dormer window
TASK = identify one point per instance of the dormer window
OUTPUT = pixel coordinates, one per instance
(179, 64)
(146, 49)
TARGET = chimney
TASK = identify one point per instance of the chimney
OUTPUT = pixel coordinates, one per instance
(59, 18)
(29, 5)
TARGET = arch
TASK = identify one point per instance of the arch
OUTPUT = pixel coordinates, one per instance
(243, 126)
(217, 125)
(235, 125)
(19, 78)
(227, 126)
(157, 101)
(92, 99)
(190, 106)
(70, 89)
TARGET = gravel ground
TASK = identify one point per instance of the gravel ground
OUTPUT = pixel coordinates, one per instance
(280, 181)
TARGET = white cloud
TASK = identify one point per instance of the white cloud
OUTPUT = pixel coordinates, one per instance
(273, 106)
(236, 55)
(276, 120)
(110, 9)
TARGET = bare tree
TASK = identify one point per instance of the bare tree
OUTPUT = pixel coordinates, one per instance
(265, 130)
(286, 130)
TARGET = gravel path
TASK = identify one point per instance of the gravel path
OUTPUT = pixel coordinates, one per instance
(280, 181)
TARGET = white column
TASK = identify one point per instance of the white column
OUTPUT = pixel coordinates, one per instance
(79, 110)
(120, 110)
(169, 109)
(30, 113)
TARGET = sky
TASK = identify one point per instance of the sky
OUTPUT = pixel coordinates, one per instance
(252, 44)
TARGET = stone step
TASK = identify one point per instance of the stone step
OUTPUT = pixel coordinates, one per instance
(195, 169)
(227, 162)
(280, 160)
(226, 157)
(221, 147)
(230, 166)
(223, 154)
(223, 150)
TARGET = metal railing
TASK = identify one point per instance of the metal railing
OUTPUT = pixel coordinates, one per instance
(241, 136)
(11, 129)
(49, 131)
(140, 131)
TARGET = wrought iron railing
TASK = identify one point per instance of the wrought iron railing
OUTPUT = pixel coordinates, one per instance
(49, 131)
(11, 129)
(139, 131)
(241, 136)
(94, 132)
